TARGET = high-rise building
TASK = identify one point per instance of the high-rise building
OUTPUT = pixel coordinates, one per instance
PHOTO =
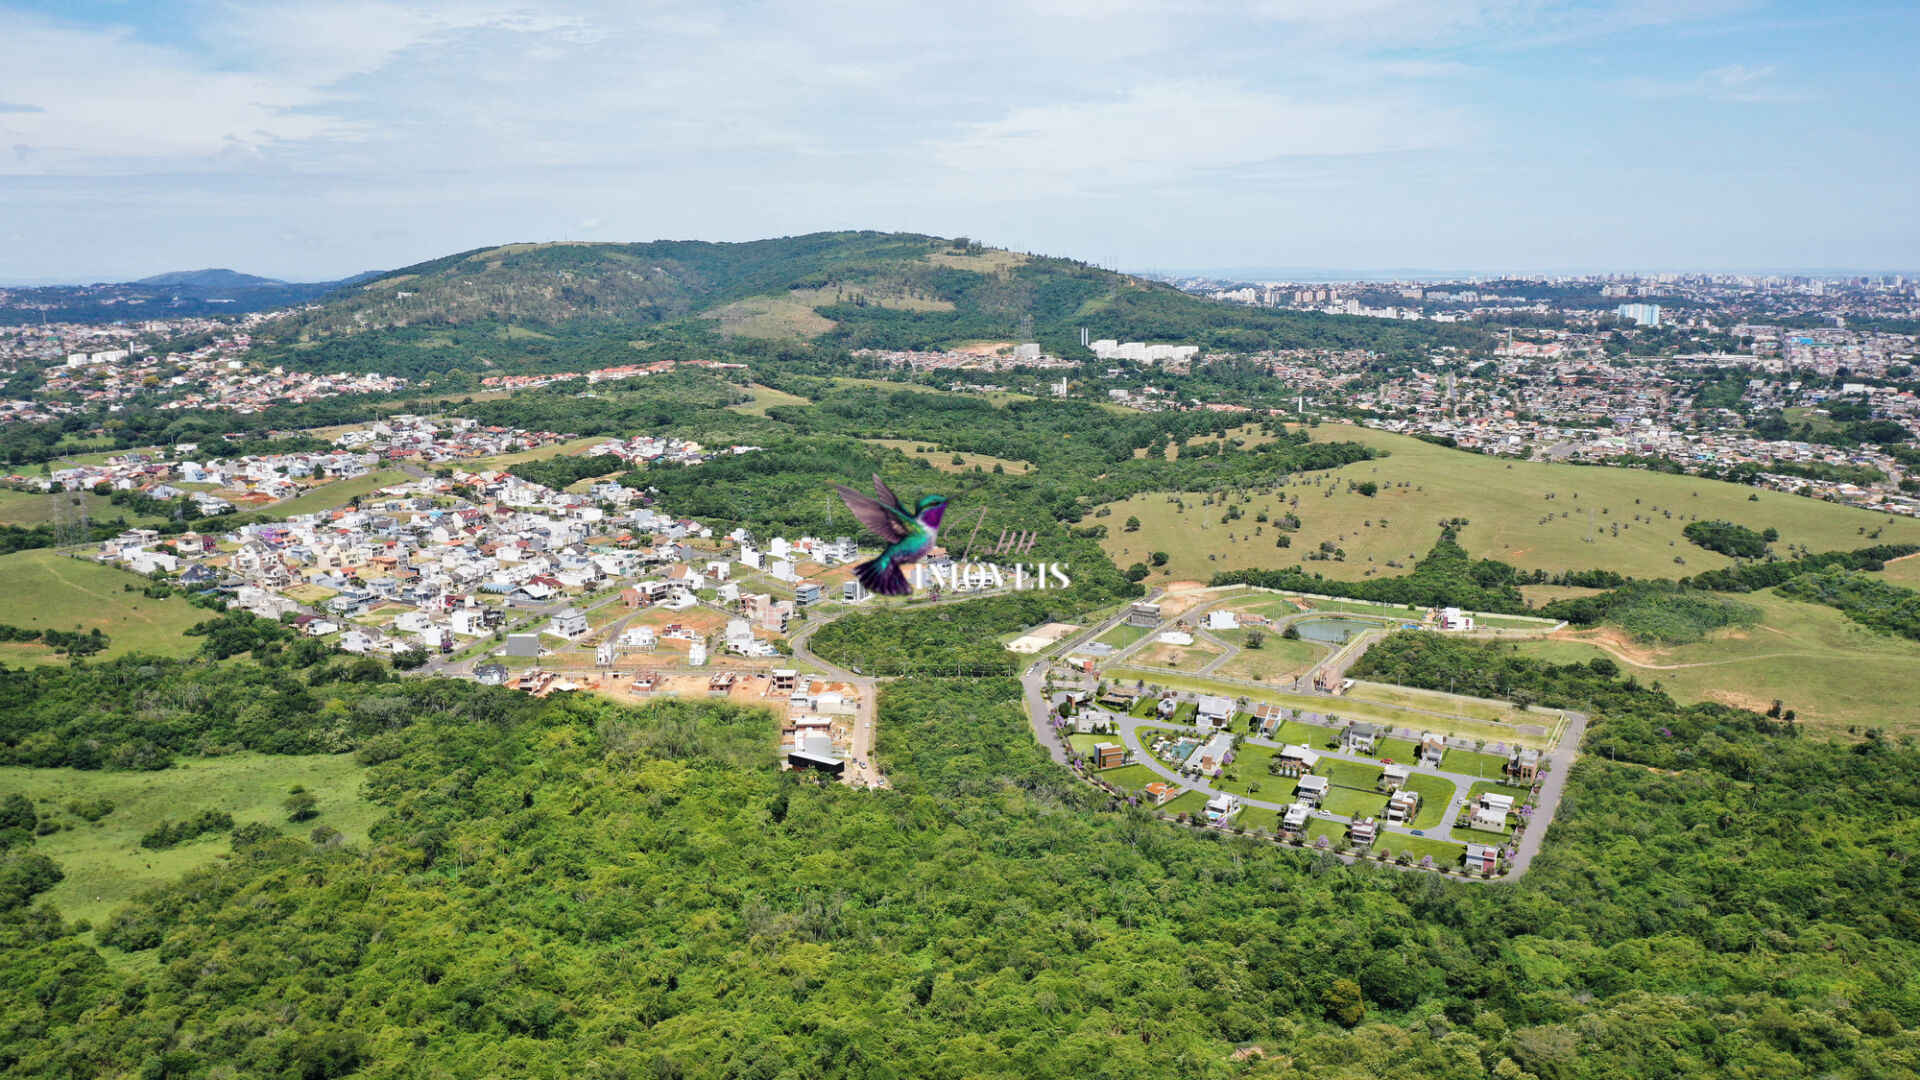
(1641, 314)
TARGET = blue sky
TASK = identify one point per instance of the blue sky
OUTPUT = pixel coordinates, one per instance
(310, 140)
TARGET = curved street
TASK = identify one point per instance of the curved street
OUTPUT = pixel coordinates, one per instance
(1556, 763)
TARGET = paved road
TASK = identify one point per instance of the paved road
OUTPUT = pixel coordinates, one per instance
(1563, 755)
(862, 769)
(1033, 680)
(1558, 762)
(1462, 782)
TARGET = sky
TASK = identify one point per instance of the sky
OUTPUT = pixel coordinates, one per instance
(312, 139)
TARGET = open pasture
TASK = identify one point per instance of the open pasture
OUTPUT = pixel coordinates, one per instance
(1534, 515)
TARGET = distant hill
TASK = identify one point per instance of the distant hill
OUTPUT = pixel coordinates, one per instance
(209, 279)
(499, 306)
(181, 293)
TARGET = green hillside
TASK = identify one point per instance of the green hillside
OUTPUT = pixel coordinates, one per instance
(533, 305)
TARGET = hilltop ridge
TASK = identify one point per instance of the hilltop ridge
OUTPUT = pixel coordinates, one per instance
(836, 289)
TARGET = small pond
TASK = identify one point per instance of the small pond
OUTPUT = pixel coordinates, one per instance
(1333, 631)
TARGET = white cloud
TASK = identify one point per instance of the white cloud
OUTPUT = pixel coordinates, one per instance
(1172, 129)
(1735, 83)
(106, 97)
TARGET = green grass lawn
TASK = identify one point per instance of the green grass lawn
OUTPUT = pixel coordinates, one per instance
(1904, 571)
(1256, 819)
(336, 493)
(1128, 777)
(1480, 836)
(1250, 765)
(1334, 831)
(1275, 659)
(1435, 793)
(766, 397)
(29, 508)
(1346, 802)
(1188, 802)
(1408, 697)
(1830, 670)
(1084, 744)
(1444, 854)
(1507, 504)
(1400, 750)
(1123, 635)
(1311, 736)
(1474, 764)
(1349, 773)
(1521, 796)
(943, 459)
(52, 592)
(104, 862)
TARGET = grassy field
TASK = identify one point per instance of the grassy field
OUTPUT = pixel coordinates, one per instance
(53, 592)
(1128, 777)
(1407, 697)
(542, 453)
(943, 459)
(1443, 853)
(1435, 793)
(1276, 658)
(782, 318)
(892, 387)
(1831, 671)
(1123, 635)
(1187, 657)
(30, 508)
(1905, 572)
(1187, 802)
(1346, 802)
(1521, 796)
(104, 862)
(337, 493)
(1350, 773)
(1508, 506)
(989, 261)
(766, 397)
(1474, 764)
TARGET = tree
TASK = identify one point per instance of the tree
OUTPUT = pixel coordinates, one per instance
(1133, 524)
(1159, 558)
(301, 806)
(1256, 638)
(1343, 1003)
(1138, 572)
(1292, 632)
(410, 659)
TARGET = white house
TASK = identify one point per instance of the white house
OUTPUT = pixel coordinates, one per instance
(1492, 810)
(568, 623)
(1214, 712)
(1223, 620)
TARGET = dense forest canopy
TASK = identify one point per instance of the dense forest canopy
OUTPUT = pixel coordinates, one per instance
(571, 887)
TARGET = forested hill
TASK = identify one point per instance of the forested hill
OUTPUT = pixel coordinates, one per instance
(503, 305)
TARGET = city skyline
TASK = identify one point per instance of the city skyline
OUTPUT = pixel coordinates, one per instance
(316, 140)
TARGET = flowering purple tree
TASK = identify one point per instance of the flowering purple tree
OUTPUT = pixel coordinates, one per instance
(1426, 862)
(1321, 843)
